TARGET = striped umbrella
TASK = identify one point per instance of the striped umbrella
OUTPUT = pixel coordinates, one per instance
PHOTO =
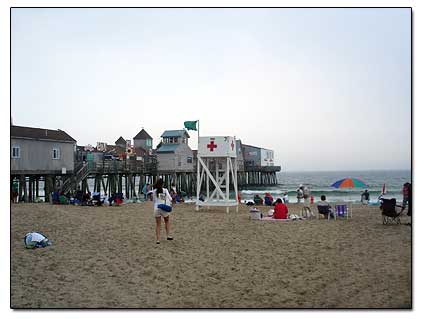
(349, 183)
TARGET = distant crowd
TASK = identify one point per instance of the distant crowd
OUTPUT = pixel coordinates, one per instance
(303, 195)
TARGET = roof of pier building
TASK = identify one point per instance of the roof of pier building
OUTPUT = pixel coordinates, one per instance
(40, 134)
(175, 133)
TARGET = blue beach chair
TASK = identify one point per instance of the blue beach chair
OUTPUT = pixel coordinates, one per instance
(342, 210)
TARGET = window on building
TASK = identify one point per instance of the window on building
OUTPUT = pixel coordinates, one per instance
(148, 142)
(189, 160)
(16, 152)
(56, 153)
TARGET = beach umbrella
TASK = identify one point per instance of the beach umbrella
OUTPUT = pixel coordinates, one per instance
(349, 183)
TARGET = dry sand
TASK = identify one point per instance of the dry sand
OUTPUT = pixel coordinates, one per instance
(107, 257)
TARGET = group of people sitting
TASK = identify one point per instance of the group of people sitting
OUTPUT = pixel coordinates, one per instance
(268, 200)
(116, 199)
(77, 198)
(60, 198)
(176, 197)
(258, 200)
(281, 210)
(88, 199)
(95, 199)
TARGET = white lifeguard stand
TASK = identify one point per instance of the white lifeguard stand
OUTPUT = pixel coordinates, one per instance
(217, 156)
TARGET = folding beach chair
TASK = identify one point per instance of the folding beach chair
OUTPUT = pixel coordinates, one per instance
(389, 212)
(326, 211)
(342, 210)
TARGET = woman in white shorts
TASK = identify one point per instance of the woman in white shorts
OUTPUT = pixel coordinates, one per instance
(161, 196)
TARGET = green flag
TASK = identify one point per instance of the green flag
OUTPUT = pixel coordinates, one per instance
(190, 125)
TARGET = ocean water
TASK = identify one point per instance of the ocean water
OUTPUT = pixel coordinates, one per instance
(319, 184)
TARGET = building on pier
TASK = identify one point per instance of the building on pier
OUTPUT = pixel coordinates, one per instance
(174, 154)
(176, 164)
(259, 168)
(121, 142)
(118, 169)
(39, 154)
(143, 143)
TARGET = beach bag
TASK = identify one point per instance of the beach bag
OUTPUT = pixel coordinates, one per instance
(165, 208)
(255, 214)
(163, 205)
(36, 240)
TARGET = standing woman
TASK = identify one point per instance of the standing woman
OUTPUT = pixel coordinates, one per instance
(409, 199)
(161, 196)
(405, 193)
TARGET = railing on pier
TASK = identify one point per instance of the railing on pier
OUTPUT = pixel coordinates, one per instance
(115, 167)
(257, 168)
(121, 175)
(81, 171)
(148, 167)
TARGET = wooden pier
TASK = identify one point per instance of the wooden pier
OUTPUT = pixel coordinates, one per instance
(258, 176)
(127, 177)
(113, 177)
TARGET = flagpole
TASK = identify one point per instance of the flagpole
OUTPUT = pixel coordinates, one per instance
(198, 131)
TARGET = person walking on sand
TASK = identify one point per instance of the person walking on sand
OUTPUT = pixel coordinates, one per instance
(365, 197)
(161, 196)
(299, 193)
(306, 210)
(286, 198)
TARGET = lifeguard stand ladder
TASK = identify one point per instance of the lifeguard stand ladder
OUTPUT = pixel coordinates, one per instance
(217, 154)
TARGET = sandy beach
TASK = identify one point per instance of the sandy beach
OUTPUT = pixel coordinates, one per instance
(107, 257)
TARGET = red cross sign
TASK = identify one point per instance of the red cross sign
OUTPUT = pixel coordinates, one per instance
(211, 145)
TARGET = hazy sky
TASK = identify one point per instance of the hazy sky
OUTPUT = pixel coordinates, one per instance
(327, 89)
